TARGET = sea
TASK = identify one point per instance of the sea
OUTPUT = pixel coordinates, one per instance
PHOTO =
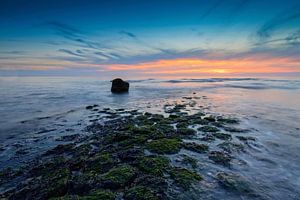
(36, 111)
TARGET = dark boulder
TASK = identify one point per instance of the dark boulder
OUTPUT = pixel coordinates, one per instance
(119, 86)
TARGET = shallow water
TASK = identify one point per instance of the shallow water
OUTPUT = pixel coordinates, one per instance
(37, 111)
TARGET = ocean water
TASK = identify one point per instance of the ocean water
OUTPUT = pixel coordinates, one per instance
(35, 111)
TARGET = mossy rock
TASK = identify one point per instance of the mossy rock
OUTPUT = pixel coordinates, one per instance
(184, 177)
(156, 183)
(231, 147)
(220, 157)
(154, 165)
(222, 136)
(208, 129)
(228, 120)
(192, 146)
(8, 174)
(99, 195)
(186, 131)
(60, 149)
(96, 195)
(164, 128)
(140, 193)
(187, 160)
(210, 118)
(235, 183)
(164, 146)
(100, 162)
(56, 183)
(118, 177)
(199, 121)
(246, 138)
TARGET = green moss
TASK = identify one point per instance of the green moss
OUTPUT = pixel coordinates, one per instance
(99, 195)
(231, 147)
(222, 136)
(96, 195)
(100, 162)
(164, 146)
(189, 161)
(208, 129)
(140, 193)
(220, 157)
(210, 119)
(186, 131)
(234, 182)
(154, 165)
(199, 148)
(246, 138)
(184, 178)
(58, 182)
(118, 177)
(228, 120)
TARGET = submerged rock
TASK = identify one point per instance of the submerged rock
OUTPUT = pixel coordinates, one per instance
(220, 157)
(119, 86)
(234, 182)
(164, 146)
(184, 177)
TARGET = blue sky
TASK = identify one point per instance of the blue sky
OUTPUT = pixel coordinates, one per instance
(92, 37)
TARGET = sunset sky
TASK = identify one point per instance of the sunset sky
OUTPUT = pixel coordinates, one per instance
(157, 38)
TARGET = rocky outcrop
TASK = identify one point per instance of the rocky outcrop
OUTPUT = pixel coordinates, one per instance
(119, 86)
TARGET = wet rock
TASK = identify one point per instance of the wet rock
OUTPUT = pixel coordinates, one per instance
(140, 193)
(164, 146)
(157, 184)
(117, 177)
(192, 146)
(154, 165)
(184, 178)
(209, 118)
(234, 182)
(246, 138)
(67, 138)
(100, 163)
(89, 107)
(186, 131)
(119, 86)
(231, 147)
(187, 160)
(235, 130)
(220, 157)
(130, 155)
(60, 149)
(208, 129)
(228, 120)
(222, 136)
(8, 173)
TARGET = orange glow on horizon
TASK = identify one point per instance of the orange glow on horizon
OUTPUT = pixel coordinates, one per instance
(192, 65)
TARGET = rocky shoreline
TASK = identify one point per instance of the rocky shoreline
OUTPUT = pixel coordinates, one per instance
(136, 156)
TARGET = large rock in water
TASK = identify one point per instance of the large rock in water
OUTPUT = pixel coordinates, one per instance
(119, 86)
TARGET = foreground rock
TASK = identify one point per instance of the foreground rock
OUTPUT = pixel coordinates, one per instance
(128, 157)
(119, 86)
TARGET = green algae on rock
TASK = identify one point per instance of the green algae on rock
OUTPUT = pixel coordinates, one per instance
(154, 165)
(208, 129)
(96, 195)
(187, 160)
(220, 157)
(234, 182)
(192, 146)
(140, 193)
(164, 146)
(117, 177)
(184, 178)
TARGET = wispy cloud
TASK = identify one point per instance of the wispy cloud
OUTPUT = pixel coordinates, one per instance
(285, 17)
(129, 34)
